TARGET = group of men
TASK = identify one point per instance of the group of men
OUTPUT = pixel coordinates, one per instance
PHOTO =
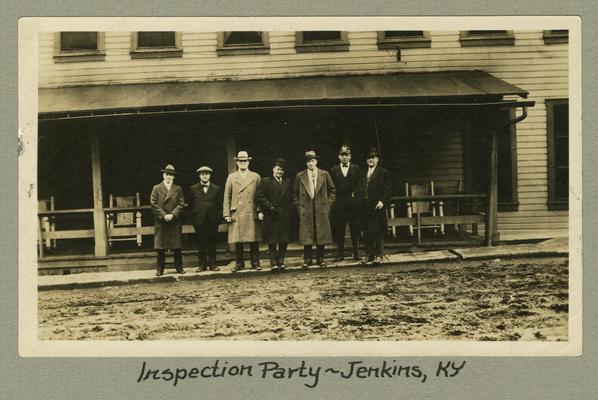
(261, 209)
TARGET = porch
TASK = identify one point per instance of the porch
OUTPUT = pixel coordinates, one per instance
(430, 139)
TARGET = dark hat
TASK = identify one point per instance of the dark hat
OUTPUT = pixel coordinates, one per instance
(310, 155)
(372, 152)
(204, 169)
(169, 169)
(344, 149)
(281, 162)
(242, 156)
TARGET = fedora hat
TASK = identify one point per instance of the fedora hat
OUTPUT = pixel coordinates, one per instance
(169, 169)
(344, 149)
(373, 152)
(204, 168)
(281, 162)
(310, 154)
(242, 156)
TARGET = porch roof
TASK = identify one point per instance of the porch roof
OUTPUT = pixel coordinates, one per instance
(398, 86)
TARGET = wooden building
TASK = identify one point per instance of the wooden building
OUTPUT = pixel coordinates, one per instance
(482, 114)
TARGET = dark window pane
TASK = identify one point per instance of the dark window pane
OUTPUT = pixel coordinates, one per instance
(560, 131)
(487, 32)
(314, 36)
(240, 38)
(560, 32)
(155, 39)
(561, 120)
(402, 34)
(70, 41)
(562, 184)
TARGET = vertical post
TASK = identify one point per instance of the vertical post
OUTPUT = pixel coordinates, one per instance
(99, 220)
(492, 207)
(231, 146)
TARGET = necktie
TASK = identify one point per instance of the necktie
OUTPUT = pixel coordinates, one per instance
(313, 185)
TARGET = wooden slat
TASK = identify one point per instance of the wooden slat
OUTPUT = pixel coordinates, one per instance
(69, 234)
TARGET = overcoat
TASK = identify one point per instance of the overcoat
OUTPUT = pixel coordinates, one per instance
(276, 202)
(167, 235)
(378, 189)
(316, 210)
(239, 204)
(206, 207)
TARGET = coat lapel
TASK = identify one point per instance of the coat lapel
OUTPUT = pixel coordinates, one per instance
(243, 183)
(165, 191)
(320, 182)
(305, 181)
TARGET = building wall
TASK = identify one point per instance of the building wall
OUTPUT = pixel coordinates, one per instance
(530, 64)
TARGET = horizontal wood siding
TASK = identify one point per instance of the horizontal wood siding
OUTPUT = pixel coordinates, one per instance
(530, 64)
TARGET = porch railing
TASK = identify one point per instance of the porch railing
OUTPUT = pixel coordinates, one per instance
(470, 210)
(474, 214)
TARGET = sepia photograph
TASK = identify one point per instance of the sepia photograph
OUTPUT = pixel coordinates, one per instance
(294, 190)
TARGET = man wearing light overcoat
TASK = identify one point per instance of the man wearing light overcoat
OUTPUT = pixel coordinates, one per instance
(242, 213)
(313, 195)
(167, 204)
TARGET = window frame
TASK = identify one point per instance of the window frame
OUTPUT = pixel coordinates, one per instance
(553, 37)
(407, 42)
(322, 46)
(506, 39)
(244, 49)
(158, 51)
(553, 202)
(62, 56)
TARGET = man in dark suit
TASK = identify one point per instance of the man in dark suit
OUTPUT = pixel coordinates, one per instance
(347, 207)
(167, 203)
(206, 199)
(275, 198)
(376, 195)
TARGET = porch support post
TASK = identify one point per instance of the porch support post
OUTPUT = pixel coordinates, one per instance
(231, 146)
(492, 203)
(99, 220)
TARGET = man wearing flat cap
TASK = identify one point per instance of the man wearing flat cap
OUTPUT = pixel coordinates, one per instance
(242, 213)
(275, 199)
(205, 202)
(313, 195)
(376, 196)
(167, 204)
(347, 206)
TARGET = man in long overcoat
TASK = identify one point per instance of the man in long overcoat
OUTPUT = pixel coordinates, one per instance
(275, 199)
(167, 204)
(206, 199)
(241, 211)
(313, 195)
(347, 206)
(376, 196)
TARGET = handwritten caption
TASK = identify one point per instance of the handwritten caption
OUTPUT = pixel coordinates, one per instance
(309, 374)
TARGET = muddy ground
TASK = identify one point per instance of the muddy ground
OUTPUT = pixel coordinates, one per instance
(525, 299)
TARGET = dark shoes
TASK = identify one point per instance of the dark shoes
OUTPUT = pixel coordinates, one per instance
(256, 266)
(306, 264)
(378, 260)
(214, 268)
(159, 273)
(368, 260)
(181, 271)
(202, 268)
(339, 259)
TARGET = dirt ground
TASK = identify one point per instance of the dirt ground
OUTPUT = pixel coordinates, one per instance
(525, 299)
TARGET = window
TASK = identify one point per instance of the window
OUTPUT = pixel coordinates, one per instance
(556, 36)
(156, 45)
(79, 46)
(557, 120)
(239, 42)
(315, 41)
(487, 38)
(403, 39)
